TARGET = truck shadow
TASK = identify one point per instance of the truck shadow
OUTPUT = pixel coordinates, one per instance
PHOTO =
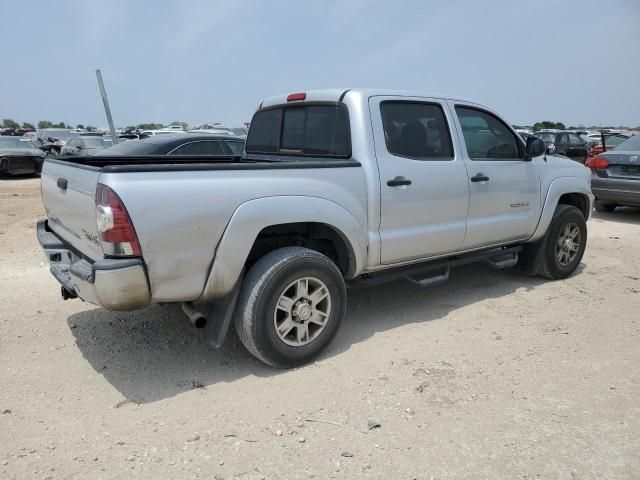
(156, 353)
(628, 215)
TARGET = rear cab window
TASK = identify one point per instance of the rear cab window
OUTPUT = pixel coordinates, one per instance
(313, 130)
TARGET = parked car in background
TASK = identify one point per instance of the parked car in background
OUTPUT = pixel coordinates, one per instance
(86, 145)
(18, 155)
(179, 144)
(565, 143)
(615, 178)
(152, 133)
(235, 131)
(610, 141)
(53, 139)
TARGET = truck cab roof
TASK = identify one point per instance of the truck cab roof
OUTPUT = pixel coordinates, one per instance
(338, 94)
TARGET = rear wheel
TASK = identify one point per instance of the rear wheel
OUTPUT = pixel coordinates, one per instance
(605, 207)
(565, 244)
(290, 307)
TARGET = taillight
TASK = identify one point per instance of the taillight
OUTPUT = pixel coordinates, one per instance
(117, 235)
(597, 163)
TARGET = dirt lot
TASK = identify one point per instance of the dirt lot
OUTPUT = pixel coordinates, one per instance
(493, 375)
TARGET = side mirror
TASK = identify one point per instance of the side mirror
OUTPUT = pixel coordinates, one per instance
(535, 147)
(80, 147)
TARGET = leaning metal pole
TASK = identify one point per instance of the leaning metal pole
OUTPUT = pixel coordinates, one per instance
(107, 110)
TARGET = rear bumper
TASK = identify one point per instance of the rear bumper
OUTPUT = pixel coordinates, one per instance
(114, 284)
(615, 190)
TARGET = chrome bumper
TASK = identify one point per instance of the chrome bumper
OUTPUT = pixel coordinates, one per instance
(114, 284)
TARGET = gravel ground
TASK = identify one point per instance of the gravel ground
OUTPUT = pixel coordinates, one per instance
(492, 375)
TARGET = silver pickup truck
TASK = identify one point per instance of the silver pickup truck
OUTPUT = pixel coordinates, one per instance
(336, 188)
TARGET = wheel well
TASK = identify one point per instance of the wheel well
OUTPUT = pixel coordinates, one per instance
(578, 200)
(320, 237)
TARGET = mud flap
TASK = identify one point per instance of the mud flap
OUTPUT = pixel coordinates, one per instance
(219, 314)
(530, 256)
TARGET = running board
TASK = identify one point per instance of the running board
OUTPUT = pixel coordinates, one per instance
(434, 272)
(503, 261)
(434, 277)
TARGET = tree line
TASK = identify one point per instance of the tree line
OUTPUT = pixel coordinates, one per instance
(12, 124)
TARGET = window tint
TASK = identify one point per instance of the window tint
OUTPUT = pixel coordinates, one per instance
(264, 133)
(314, 130)
(546, 136)
(485, 136)
(614, 140)
(562, 138)
(293, 129)
(199, 148)
(575, 139)
(416, 130)
(630, 145)
(237, 148)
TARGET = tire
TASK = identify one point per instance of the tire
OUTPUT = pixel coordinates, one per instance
(272, 298)
(559, 259)
(604, 207)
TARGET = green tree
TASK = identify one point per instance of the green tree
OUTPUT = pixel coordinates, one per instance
(10, 123)
(59, 125)
(547, 124)
(149, 126)
(45, 124)
(184, 125)
(80, 126)
(90, 128)
(27, 126)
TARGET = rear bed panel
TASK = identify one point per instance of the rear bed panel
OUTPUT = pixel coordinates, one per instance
(71, 210)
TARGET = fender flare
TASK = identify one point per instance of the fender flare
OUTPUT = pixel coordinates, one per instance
(557, 188)
(250, 218)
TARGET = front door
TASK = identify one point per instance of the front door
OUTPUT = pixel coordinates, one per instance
(423, 180)
(504, 196)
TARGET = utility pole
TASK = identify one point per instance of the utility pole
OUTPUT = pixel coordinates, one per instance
(107, 110)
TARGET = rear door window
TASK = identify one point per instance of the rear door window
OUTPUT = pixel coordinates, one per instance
(416, 130)
(307, 130)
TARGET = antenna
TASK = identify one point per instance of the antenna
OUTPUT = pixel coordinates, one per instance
(107, 110)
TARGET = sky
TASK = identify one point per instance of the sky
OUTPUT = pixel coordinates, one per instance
(574, 61)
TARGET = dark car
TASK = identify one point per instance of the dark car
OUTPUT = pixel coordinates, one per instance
(53, 139)
(615, 176)
(86, 145)
(178, 144)
(19, 156)
(569, 144)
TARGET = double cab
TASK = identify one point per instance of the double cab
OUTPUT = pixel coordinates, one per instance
(335, 188)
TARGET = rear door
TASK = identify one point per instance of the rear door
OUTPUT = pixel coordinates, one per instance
(504, 197)
(68, 194)
(423, 180)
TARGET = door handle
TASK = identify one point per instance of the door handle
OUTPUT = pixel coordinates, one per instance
(398, 182)
(479, 177)
(62, 183)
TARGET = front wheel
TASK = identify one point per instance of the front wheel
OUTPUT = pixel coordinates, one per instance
(565, 244)
(290, 307)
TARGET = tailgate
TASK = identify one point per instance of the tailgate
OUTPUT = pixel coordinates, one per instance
(68, 194)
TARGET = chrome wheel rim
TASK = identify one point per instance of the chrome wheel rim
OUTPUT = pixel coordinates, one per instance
(302, 311)
(568, 244)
